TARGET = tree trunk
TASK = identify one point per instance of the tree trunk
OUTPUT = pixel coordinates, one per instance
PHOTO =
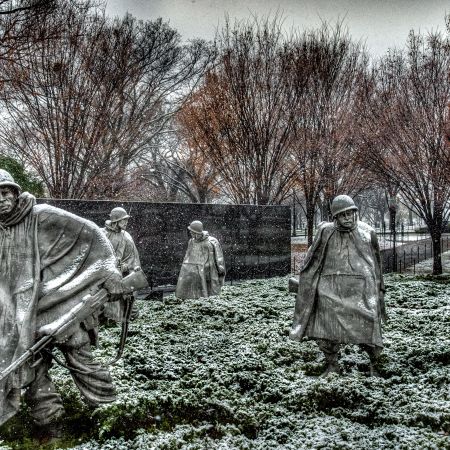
(392, 218)
(393, 228)
(310, 224)
(202, 195)
(436, 234)
(380, 214)
(294, 217)
(326, 214)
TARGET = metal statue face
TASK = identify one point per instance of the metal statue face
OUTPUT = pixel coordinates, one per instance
(122, 224)
(346, 219)
(196, 236)
(8, 197)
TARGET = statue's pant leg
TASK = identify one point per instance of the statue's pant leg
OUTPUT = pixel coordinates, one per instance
(92, 379)
(330, 349)
(41, 396)
(373, 351)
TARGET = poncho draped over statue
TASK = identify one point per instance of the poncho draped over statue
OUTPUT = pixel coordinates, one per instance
(124, 248)
(341, 292)
(199, 274)
(127, 257)
(49, 260)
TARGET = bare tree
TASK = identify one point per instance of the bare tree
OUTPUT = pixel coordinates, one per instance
(372, 205)
(403, 120)
(242, 117)
(325, 146)
(18, 21)
(178, 172)
(83, 107)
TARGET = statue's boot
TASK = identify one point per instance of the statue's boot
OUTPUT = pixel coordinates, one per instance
(374, 356)
(330, 350)
(373, 372)
(332, 367)
(134, 312)
(46, 408)
(51, 433)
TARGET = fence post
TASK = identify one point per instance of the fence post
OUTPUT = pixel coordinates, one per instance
(414, 266)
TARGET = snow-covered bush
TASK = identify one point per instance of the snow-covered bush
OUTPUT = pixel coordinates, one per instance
(222, 373)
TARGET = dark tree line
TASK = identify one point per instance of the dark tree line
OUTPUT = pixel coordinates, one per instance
(243, 116)
(83, 107)
(276, 113)
(107, 108)
(403, 116)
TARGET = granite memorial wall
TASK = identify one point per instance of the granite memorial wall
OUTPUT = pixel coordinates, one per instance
(255, 239)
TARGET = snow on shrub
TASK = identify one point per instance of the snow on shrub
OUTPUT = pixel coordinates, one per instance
(222, 373)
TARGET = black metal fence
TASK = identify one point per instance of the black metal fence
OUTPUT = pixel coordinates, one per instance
(410, 254)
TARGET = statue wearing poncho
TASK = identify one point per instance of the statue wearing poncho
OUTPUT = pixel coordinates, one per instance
(203, 270)
(49, 260)
(341, 292)
(127, 258)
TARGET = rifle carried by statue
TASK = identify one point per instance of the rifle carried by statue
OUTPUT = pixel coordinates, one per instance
(62, 328)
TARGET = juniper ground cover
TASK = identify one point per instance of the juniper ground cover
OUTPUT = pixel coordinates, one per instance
(222, 373)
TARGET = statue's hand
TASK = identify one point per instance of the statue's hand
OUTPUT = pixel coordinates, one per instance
(221, 270)
(114, 287)
(57, 330)
(49, 329)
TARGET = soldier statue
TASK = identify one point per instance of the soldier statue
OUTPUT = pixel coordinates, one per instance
(51, 263)
(340, 298)
(203, 270)
(127, 258)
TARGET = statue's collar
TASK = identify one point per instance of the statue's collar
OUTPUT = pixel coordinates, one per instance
(111, 226)
(205, 235)
(345, 229)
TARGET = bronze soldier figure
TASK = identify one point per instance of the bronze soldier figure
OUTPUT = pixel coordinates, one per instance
(50, 260)
(127, 258)
(340, 297)
(203, 270)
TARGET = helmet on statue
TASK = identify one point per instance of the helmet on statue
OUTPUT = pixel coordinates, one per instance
(196, 227)
(6, 180)
(342, 203)
(118, 214)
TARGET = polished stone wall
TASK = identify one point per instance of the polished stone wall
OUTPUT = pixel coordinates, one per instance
(255, 239)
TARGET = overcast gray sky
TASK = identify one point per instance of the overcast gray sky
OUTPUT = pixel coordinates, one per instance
(380, 23)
